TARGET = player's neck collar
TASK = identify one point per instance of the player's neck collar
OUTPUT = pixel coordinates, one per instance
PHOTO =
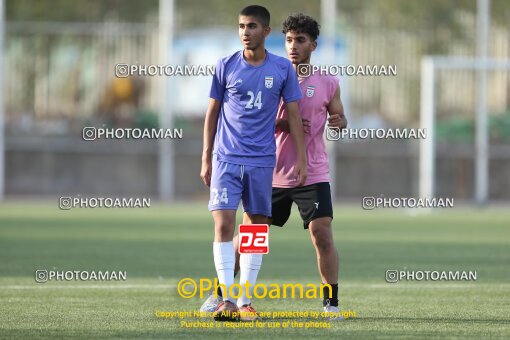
(266, 56)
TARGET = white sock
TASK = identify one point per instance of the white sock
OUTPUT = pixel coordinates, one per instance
(224, 261)
(249, 265)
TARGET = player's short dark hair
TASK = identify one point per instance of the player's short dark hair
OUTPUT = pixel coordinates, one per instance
(300, 23)
(257, 11)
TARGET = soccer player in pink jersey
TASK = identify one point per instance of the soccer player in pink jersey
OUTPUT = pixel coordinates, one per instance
(321, 95)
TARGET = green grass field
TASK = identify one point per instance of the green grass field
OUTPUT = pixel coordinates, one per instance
(165, 243)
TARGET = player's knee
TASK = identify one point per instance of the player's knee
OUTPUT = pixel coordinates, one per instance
(323, 238)
(324, 243)
(224, 228)
(255, 219)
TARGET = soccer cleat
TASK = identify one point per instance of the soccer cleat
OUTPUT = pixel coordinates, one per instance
(227, 311)
(334, 313)
(248, 313)
(211, 304)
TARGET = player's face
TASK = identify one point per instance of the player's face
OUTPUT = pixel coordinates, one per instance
(299, 47)
(251, 32)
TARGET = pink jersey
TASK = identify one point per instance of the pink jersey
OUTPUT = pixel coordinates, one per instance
(318, 91)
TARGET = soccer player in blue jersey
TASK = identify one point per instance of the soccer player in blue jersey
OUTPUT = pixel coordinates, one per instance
(240, 123)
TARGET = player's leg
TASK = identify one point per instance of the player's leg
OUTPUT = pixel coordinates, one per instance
(226, 189)
(281, 205)
(249, 267)
(216, 297)
(321, 232)
(223, 248)
(280, 211)
(257, 206)
(224, 261)
(316, 209)
(327, 255)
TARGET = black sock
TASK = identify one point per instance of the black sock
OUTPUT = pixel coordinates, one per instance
(333, 301)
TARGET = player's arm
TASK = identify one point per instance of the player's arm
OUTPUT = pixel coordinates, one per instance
(336, 111)
(296, 131)
(210, 126)
(282, 124)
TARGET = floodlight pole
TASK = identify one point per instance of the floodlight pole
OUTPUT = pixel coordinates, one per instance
(482, 130)
(166, 149)
(427, 145)
(2, 106)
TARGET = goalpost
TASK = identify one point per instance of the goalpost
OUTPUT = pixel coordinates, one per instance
(429, 66)
(481, 65)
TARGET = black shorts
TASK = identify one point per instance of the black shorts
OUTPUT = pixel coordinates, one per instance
(313, 201)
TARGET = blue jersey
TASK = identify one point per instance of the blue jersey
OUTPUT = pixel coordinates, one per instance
(250, 96)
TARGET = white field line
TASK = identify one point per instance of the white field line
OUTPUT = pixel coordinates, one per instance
(430, 285)
(71, 286)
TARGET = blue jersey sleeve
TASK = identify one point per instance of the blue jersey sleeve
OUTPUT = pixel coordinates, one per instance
(218, 82)
(291, 90)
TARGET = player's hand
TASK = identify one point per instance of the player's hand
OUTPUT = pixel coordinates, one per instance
(306, 125)
(300, 172)
(282, 125)
(337, 121)
(205, 172)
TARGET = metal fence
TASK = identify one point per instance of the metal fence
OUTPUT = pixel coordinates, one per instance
(59, 76)
(64, 72)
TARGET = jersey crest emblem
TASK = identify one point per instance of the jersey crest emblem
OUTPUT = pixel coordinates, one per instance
(310, 90)
(268, 82)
